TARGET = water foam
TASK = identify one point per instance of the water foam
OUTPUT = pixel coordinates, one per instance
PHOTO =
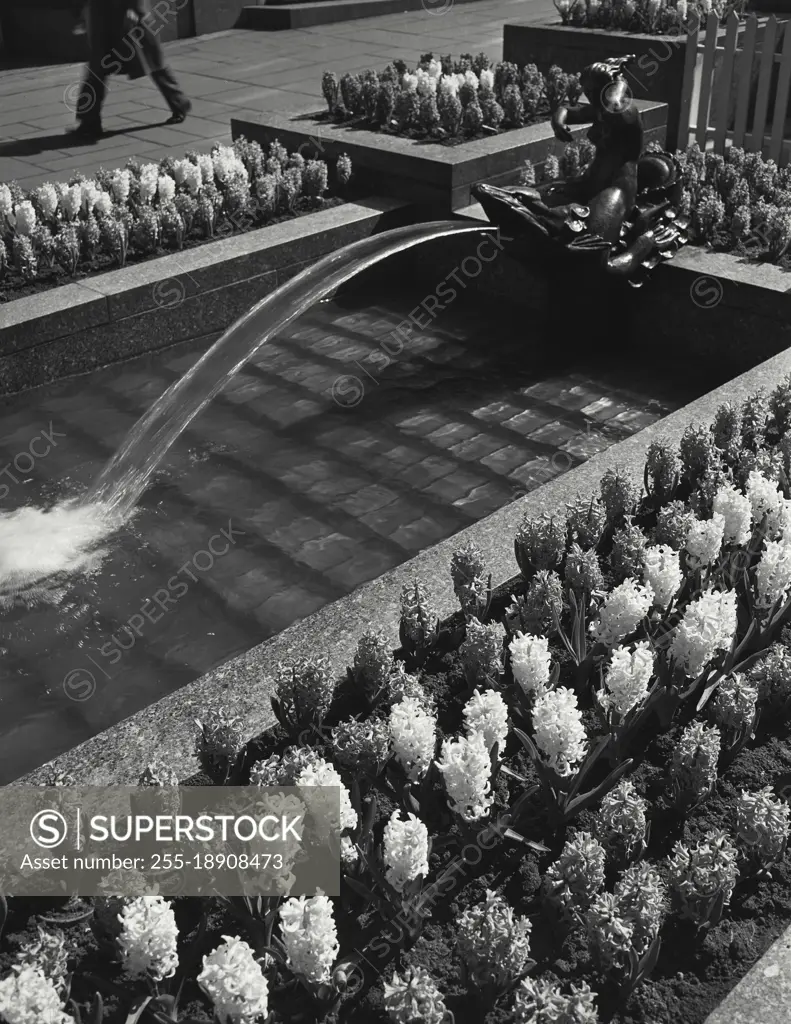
(50, 545)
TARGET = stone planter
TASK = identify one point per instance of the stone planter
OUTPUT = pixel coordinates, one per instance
(191, 294)
(216, 15)
(431, 174)
(657, 75)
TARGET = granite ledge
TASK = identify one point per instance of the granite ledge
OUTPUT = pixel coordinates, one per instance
(51, 315)
(166, 281)
(120, 754)
(763, 996)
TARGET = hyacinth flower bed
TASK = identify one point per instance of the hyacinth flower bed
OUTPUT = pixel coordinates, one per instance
(447, 101)
(61, 232)
(652, 17)
(568, 803)
(738, 203)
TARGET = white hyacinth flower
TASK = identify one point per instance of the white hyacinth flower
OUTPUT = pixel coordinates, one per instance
(350, 855)
(148, 938)
(180, 170)
(530, 662)
(234, 982)
(466, 766)
(310, 936)
(227, 164)
(559, 732)
(707, 627)
(662, 572)
(206, 165)
(47, 199)
(6, 201)
(27, 997)
(90, 194)
(626, 683)
(704, 540)
(487, 713)
(104, 204)
(773, 573)
(312, 780)
(187, 173)
(194, 178)
(405, 850)
(449, 85)
(149, 179)
(426, 83)
(120, 183)
(736, 511)
(487, 78)
(166, 188)
(71, 201)
(413, 735)
(24, 218)
(766, 499)
(621, 612)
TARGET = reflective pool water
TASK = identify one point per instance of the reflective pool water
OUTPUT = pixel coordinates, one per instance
(324, 463)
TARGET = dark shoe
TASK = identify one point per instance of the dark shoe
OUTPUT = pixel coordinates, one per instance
(86, 131)
(179, 116)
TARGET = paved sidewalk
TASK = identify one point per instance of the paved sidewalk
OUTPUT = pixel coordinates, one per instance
(226, 74)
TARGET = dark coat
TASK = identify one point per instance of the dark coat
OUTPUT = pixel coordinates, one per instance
(116, 48)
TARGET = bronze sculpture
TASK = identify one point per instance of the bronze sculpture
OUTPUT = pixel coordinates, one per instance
(620, 213)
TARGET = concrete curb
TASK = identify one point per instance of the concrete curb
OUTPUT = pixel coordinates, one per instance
(195, 293)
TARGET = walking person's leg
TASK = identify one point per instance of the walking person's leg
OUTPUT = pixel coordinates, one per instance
(162, 74)
(89, 102)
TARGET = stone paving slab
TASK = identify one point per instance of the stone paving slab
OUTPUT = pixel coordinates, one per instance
(223, 72)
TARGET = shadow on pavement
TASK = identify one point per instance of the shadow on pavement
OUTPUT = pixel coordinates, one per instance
(64, 140)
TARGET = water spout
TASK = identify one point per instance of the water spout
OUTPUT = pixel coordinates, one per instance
(122, 481)
(42, 549)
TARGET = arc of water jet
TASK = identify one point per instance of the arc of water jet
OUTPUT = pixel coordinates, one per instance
(123, 480)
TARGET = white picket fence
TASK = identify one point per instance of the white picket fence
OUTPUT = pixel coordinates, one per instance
(737, 95)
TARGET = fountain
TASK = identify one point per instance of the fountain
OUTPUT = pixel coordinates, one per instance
(40, 548)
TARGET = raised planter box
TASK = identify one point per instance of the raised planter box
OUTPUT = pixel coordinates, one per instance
(198, 293)
(700, 306)
(216, 15)
(437, 176)
(657, 75)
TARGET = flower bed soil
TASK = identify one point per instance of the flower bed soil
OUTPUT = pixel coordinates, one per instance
(15, 287)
